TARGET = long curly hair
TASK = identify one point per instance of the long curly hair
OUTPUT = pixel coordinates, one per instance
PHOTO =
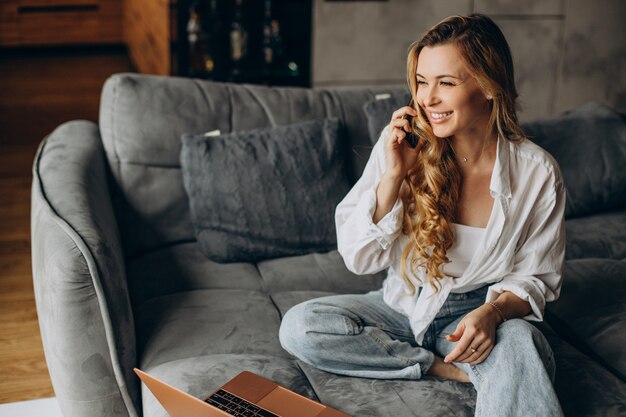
(431, 191)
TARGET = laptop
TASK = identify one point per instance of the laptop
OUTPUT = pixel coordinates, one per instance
(246, 395)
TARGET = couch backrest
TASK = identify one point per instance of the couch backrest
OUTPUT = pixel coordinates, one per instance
(142, 119)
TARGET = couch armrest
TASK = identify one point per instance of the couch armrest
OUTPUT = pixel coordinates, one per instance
(85, 316)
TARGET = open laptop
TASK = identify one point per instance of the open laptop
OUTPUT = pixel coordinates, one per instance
(246, 395)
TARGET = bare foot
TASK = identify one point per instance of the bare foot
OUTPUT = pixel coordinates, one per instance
(447, 371)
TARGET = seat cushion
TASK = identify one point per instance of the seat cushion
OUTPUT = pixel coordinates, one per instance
(200, 376)
(366, 397)
(316, 271)
(584, 387)
(206, 322)
(591, 311)
(182, 267)
(599, 236)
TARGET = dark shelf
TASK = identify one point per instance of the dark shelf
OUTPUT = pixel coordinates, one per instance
(294, 17)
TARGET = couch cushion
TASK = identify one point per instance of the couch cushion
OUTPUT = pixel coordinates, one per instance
(599, 236)
(364, 397)
(591, 311)
(285, 300)
(584, 387)
(379, 111)
(589, 143)
(316, 271)
(142, 118)
(205, 322)
(200, 376)
(265, 193)
(182, 267)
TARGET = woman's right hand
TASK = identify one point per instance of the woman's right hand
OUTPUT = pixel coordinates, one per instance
(399, 155)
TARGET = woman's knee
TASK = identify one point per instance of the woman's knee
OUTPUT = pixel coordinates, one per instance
(305, 327)
(519, 332)
(521, 337)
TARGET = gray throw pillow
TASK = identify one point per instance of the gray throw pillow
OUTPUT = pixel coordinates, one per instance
(265, 193)
(589, 143)
(379, 112)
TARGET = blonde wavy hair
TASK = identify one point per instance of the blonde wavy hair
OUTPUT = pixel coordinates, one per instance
(431, 192)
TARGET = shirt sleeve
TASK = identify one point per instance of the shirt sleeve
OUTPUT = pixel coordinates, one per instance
(366, 247)
(536, 276)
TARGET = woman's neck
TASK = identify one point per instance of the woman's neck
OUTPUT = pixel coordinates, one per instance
(475, 152)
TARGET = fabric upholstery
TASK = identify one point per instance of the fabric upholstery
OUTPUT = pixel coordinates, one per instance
(591, 311)
(316, 271)
(182, 267)
(597, 236)
(365, 397)
(589, 143)
(79, 279)
(585, 388)
(206, 322)
(379, 112)
(265, 193)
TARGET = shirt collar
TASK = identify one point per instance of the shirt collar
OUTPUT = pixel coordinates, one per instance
(500, 181)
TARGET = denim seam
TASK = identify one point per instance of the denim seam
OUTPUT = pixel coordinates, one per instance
(477, 373)
(389, 350)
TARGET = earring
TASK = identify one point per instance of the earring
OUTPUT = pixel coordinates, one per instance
(489, 97)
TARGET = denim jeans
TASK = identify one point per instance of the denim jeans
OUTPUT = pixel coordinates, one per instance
(360, 335)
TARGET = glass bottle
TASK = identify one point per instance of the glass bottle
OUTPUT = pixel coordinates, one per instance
(268, 51)
(193, 36)
(238, 40)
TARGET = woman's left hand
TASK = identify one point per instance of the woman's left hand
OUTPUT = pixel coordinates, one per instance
(476, 336)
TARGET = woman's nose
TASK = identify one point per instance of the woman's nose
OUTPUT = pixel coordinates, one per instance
(430, 97)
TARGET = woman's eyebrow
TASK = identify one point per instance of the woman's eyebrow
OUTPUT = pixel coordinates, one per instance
(440, 76)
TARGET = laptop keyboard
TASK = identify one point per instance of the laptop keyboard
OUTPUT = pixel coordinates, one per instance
(236, 406)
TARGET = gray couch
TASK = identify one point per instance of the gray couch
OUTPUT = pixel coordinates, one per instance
(120, 281)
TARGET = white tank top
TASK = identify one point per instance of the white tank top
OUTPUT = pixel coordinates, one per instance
(466, 240)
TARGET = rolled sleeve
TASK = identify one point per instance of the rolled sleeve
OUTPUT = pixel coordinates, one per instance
(366, 247)
(530, 289)
(388, 228)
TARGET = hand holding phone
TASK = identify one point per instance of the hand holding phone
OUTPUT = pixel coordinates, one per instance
(411, 137)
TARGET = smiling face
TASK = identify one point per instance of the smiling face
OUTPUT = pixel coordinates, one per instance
(451, 98)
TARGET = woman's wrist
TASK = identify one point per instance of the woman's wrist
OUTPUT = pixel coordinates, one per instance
(497, 311)
(507, 306)
(492, 314)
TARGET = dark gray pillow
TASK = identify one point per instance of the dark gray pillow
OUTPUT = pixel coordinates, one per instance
(379, 112)
(265, 193)
(589, 143)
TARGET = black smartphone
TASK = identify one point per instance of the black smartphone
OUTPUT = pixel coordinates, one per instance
(411, 138)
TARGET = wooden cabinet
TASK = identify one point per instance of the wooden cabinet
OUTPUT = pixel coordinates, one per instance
(149, 31)
(56, 22)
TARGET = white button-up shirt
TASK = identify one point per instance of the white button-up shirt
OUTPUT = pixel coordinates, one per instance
(522, 249)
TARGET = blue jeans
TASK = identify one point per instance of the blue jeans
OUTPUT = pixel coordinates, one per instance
(360, 335)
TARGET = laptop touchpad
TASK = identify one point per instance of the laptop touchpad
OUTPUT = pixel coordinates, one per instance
(287, 403)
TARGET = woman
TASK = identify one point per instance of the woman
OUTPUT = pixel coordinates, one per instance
(469, 224)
